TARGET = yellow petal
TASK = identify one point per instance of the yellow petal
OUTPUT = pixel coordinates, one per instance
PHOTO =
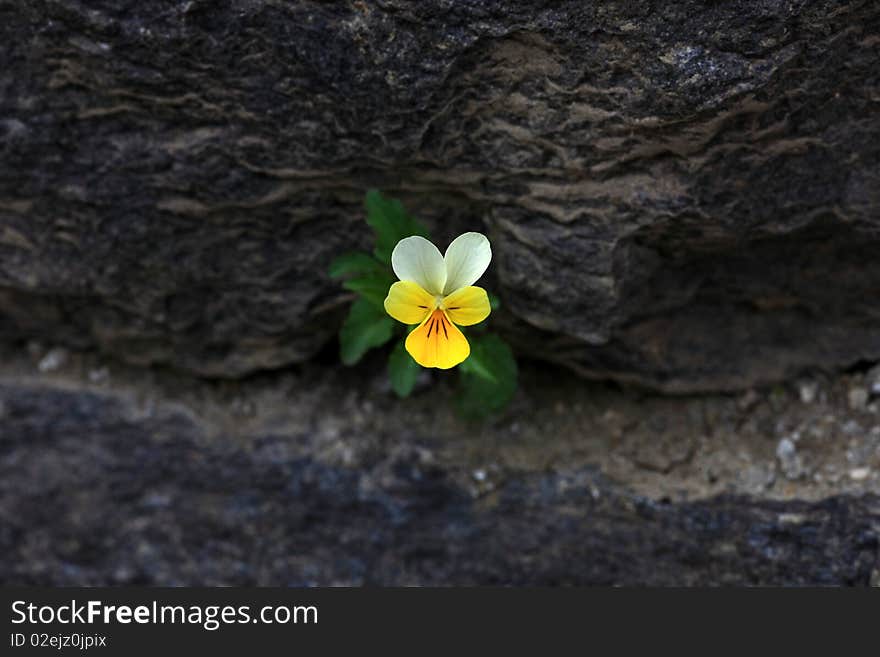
(438, 343)
(469, 305)
(407, 302)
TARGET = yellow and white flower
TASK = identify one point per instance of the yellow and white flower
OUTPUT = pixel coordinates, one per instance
(437, 292)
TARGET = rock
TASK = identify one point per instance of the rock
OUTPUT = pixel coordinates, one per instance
(872, 380)
(858, 398)
(789, 460)
(681, 194)
(858, 474)
(748, 400)
(99, 375)
(757, 479)
(807, 391)
(92, 496)
(54, 359)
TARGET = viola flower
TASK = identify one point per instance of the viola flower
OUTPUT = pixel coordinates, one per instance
(437, 292)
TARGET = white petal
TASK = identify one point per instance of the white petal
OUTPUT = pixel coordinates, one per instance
(466, 260)
(416, 259)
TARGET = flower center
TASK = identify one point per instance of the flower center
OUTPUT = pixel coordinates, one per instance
(438, 301)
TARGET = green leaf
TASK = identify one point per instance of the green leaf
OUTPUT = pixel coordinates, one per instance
(489, 380)
(494, 301)
(402, 370)
(391, 224)
(354, 263)
(372, 287)
(365, 327)
(476, 367)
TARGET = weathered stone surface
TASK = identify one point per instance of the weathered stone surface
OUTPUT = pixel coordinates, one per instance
(94, 491)
(113, 474)
(684, 194)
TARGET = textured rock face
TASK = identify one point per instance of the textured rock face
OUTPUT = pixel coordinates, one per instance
(101, 487)
(685, 194)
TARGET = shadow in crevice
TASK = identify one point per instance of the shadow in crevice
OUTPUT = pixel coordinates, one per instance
(732, 313)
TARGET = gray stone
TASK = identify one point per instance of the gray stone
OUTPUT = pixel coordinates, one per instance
(808, 391)
(858, 398)
(682, 194)
(859, 474)
(872, 380)
(789, 460)
(157, 502)
(53, 360)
